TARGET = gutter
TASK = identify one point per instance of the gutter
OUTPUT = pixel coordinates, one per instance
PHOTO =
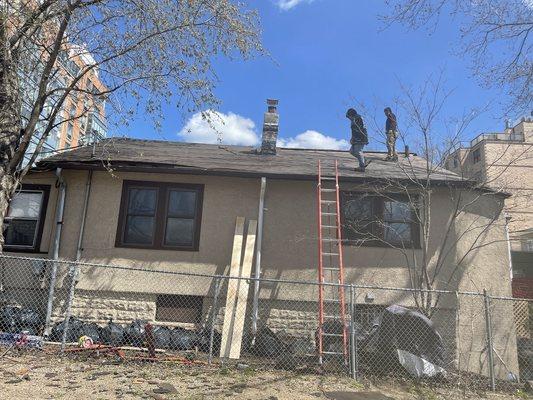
(257, 274)
(60, 209)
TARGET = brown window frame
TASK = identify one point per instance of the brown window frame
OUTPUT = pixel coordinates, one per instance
(36, 248)
(161, 214)
(376, 228)
(476, 155)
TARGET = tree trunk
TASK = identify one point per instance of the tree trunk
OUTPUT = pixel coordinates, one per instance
(10, 124)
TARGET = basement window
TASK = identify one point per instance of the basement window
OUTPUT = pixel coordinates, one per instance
(179, 308)
(163, 216)
(23, 225)
(373, 220)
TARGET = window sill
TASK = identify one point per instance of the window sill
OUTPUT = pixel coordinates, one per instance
(134, 246)
(20, 250)
(353, 243)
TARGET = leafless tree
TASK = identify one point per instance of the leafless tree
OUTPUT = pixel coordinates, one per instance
(147, 52)
(434, 219)
(495, 33)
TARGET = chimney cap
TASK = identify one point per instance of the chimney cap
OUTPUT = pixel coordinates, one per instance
(272, 102)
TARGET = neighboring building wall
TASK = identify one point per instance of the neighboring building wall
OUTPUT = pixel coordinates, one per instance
(503, 161)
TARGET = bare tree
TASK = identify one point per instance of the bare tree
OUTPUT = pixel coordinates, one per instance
(434, 219)
(495, 33)
(147, 51)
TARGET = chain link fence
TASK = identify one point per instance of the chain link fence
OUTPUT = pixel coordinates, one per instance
(471, 339)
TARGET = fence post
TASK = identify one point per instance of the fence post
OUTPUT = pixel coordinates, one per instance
(74, 277)
(353, 339)
(488, 325)
(213, 319)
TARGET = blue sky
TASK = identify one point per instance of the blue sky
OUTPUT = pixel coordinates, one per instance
(328, 55)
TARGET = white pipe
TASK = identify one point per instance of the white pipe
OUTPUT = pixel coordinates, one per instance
(60, 208)
(84, 214)
(74, 268)
(507, 236)
(257, 274)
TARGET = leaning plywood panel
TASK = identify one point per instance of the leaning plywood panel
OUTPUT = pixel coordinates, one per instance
(242, 295)
(231, 297)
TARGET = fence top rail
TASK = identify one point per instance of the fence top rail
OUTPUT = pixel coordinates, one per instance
(252, 279)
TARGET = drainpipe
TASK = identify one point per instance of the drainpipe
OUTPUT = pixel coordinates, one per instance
(60, 208)
(257, 275)
(74, 269)
(507, 236)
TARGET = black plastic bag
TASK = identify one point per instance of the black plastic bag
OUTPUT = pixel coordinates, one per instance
(92, 330)
(162, 337)
(134, 333)
(74, 332)
(267, 344)
(183, 339)
(30, 321)
(112, 334)
(9, 319)
(203, 337)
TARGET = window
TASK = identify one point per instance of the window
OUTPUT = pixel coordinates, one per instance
(70, 128)
(23, 225)
(476, 156)
(372, 220)
(160, 216)
(455, 162)
(177, 308)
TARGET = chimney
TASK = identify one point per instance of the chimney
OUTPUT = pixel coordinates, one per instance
(508, 127)
(270, 128)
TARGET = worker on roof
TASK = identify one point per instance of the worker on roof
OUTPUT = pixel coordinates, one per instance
(359, 138)
(391, 129)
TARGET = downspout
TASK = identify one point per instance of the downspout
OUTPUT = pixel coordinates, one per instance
(257, 274)
(74, 268)
(507, 236)
(60, 208)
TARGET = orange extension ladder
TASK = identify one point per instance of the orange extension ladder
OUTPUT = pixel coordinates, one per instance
(331, 300)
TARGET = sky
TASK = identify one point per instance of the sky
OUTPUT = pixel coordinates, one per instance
(327, 56)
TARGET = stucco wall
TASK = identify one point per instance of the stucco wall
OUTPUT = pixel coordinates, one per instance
(289, 250)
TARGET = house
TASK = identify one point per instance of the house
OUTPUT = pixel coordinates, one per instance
(171, 206)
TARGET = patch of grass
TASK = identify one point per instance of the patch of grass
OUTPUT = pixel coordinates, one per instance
(224, 371)
(521, 394)
(422, 392)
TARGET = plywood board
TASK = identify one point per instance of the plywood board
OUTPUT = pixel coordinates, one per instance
(231, 297)
(242, 296)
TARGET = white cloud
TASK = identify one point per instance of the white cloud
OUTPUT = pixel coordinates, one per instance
(288, 4)
(314, 140)
(231, 128)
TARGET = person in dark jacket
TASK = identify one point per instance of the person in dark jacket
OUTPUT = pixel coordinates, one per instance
(391, 129)
(359, 137)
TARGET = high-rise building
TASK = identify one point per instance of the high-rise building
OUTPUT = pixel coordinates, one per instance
(82, 117)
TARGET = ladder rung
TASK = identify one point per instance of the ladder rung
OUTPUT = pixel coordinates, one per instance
(328, 190)
(335, 317)
(325, 213)
(330, 240)
(329, 226)
(333, 334)
(332, 300)
(333, 353)
(327, 178)
(330, 254)
(331, 268)
(328, 201)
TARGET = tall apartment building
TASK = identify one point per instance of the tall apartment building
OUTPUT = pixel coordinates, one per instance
(82, 115)
(504, 161)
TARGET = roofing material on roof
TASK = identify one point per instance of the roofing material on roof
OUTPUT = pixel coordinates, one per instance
(180, 157)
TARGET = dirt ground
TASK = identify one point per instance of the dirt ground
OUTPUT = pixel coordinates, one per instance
(38, 375)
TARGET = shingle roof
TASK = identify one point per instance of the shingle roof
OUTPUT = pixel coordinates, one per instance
(179, 157)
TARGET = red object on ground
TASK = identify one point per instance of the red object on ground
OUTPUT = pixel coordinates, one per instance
(523, 288)
(150, 342)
